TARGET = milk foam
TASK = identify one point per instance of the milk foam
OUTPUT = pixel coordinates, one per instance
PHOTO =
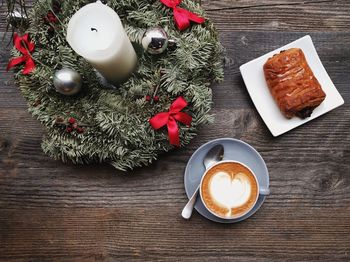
(230, 191)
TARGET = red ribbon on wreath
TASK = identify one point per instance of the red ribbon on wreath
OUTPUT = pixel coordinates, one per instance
(169, 119)
(182, 16)
(25, 46)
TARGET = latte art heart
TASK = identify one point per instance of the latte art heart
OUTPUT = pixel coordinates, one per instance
(230, 190)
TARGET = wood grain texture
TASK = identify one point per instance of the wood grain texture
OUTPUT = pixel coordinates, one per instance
(55, 212)
(285, 15)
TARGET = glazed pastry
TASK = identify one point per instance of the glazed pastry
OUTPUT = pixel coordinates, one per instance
(292, 84)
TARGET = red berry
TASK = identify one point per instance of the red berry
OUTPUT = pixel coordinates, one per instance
(148, 98)
(80, 130)
(71, 120)
(69, 129)
(156, 98)
(50, 18)
(75, 125)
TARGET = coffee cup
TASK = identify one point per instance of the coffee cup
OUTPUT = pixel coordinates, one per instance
(230, 189)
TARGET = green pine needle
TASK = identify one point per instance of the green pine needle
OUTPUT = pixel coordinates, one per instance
(117, 130)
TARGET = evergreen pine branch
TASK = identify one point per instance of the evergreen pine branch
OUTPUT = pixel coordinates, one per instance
(116, 127)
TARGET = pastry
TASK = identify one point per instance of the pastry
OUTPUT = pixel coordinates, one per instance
(292, 84)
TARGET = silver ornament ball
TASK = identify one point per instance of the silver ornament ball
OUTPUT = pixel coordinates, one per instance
(17, 19)
(67, 81)
(155, 40)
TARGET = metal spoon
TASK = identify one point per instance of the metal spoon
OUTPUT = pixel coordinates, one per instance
(214, 155)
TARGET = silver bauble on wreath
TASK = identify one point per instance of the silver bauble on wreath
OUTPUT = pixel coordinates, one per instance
(155, 40)
(17, 19)
(67, 81)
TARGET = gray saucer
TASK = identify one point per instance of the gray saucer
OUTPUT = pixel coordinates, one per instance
(234, 150)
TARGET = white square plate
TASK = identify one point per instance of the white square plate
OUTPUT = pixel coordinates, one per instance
(254, 79)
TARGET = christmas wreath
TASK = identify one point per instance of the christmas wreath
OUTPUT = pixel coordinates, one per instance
(158, 108)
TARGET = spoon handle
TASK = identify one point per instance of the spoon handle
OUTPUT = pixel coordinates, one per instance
(187, 211)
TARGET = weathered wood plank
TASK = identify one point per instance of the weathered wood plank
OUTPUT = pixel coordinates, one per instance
(283, 15)
(85, 234)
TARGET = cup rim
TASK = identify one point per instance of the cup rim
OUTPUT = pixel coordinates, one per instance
(229, 161)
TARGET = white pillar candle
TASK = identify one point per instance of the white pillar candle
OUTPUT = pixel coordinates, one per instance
(96, 33)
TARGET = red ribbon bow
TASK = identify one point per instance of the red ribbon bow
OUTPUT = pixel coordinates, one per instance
(182, 16)
(169, 119)
(25, 46)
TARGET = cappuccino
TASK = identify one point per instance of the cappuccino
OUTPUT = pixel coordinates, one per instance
(229, 190)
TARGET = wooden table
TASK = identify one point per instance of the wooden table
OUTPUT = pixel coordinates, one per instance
(55, 212)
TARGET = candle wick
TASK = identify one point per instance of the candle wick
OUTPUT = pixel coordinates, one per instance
(93, 29)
